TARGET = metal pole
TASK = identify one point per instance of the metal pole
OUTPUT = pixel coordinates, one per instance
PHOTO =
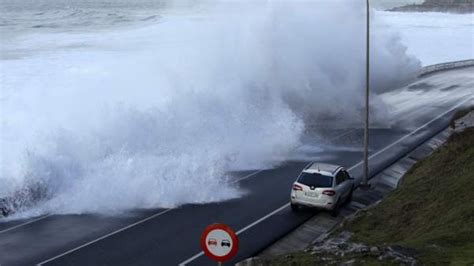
(367, 90)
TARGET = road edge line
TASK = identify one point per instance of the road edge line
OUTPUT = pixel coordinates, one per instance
(104, 236)
(25, 223)
(351, 168)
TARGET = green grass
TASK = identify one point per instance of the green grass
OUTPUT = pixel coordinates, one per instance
(432, 211)
(308, 259)
(431, 214)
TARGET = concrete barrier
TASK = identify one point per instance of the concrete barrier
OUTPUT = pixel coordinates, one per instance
(445, 66)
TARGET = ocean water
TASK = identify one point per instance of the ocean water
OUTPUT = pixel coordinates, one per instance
(108, 106)
(434, 37)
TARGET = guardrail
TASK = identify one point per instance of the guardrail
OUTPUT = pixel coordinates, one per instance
(445, 66)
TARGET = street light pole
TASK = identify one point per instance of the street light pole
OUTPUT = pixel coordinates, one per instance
(367, 90)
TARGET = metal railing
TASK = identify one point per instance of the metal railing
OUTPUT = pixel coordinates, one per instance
(445, 66)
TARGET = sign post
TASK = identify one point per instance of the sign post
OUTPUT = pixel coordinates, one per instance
(219, 242)
(365, 179)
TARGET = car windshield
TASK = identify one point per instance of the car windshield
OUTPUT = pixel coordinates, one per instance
(315, 180)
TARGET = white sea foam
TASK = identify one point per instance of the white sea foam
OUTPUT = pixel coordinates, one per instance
(156, 116)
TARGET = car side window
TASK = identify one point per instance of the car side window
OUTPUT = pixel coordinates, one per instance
(339, 178)
(346, 175)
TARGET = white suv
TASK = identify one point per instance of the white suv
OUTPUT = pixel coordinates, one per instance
(323, 186)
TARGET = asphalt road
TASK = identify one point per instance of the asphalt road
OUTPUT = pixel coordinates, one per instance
(261, 216)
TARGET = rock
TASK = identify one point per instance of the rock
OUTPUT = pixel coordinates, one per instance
(318, 244)
(398, 259)
(357, 248)
(4, 208)
(350, 262)
(339, 246)
(343, 246)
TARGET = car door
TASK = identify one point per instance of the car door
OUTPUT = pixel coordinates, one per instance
(340, 186)
(350, 180)
(343, 185)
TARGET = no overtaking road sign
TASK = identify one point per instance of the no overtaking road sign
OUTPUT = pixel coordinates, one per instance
(219, 242)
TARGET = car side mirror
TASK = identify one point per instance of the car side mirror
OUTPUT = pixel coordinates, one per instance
(348, 175)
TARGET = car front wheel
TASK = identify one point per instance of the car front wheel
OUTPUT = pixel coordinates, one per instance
(335, 212)
(349, 197)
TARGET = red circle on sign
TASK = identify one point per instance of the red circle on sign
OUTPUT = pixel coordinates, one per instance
(225, 228)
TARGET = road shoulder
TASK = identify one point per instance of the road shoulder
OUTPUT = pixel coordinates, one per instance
(323, 232)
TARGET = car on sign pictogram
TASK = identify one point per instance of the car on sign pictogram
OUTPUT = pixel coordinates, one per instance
(225, 243)
(212, 242)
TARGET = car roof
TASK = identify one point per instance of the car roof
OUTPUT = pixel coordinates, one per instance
(322, 168)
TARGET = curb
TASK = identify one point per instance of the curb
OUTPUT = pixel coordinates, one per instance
(320, 226)
(445, 66)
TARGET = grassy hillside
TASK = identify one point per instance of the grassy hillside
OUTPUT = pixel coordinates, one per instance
(430, 217)
(432, 211)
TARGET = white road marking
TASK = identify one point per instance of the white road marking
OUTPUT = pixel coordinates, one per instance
(262, 219)
(351, 168)
(129, 226)
(415, 131)
(245, 177)
(239, 232)
(192, 258)
(342, 134)
(233, 182)
(46, 216)
(105, 236)
(259, 171)
(23, 224)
